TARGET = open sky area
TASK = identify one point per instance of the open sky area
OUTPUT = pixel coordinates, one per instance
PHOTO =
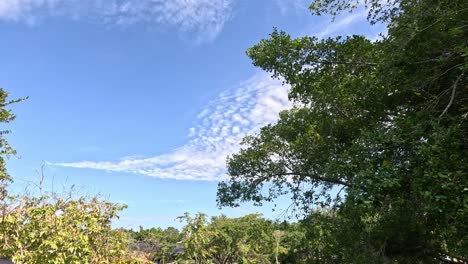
(142, 100)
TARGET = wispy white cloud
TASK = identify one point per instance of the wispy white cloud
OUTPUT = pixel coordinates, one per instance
(201, 19)
(349, 23)
(218, 130)
(286, 6)
(342, 24)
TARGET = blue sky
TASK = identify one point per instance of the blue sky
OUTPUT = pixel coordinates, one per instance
(142, 100)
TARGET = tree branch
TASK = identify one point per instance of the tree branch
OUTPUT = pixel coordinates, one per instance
(452, 96)
(357, 63)
(323, 179)
(450, 260)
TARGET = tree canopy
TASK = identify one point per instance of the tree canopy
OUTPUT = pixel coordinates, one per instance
(377, 132)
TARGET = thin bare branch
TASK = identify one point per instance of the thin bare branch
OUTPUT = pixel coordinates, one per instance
(452, 96)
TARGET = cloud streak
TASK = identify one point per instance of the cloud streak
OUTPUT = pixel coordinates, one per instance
(298, 6)
(201, 19)
(218, 130)
(342, 24)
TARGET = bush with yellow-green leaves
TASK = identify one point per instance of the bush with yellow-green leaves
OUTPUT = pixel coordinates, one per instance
(54, 229)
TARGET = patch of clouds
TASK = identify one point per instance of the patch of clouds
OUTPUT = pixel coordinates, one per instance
(217, 133)
(379, 35)
(201, 19)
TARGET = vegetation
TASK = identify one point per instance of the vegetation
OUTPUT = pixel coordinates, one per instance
(51, 229)
(6, 116)
(377, 135)
(225, 240)
(374, 154)
(156, 244)
(247, 239)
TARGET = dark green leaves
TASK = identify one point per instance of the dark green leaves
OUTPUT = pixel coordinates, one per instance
(385, 121)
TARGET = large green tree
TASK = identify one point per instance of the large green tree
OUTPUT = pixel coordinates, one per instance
(378, 133)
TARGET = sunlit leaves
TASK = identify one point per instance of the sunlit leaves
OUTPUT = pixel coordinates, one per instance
(56, 229)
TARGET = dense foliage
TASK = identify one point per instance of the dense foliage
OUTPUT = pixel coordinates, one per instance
(52, 229)
(157, 244)
(223, 240)
(377, 134)
(247, 239)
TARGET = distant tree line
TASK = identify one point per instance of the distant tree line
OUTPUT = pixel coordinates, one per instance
(247, 239)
